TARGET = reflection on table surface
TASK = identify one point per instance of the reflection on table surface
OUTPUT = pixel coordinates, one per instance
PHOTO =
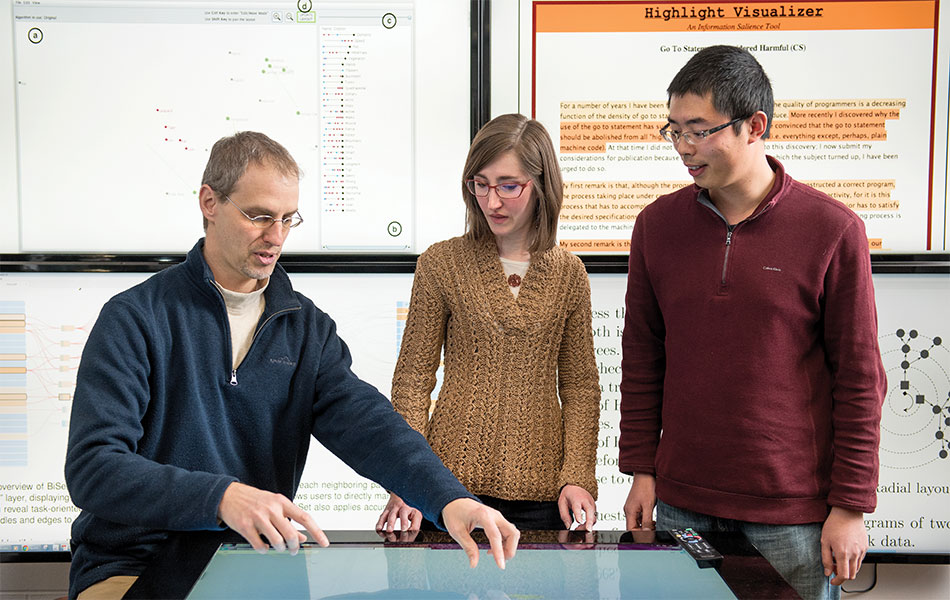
(367, 564)
(547, 565)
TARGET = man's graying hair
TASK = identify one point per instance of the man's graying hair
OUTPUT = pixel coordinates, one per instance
(231, 155)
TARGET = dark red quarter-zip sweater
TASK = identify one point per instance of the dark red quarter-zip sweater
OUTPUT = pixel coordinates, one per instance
(754, 350)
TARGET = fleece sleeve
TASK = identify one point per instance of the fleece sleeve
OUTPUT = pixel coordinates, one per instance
(359, 425)
(104, 473)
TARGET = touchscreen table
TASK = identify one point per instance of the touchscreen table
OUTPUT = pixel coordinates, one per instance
(548, 564)
(237, 571)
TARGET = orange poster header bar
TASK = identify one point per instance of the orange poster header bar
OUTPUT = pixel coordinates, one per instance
(613, 17)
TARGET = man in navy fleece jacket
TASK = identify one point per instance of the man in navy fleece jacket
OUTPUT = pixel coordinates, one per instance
(199, 389)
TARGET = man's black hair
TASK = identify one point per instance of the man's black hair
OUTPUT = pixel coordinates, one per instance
(732, 77)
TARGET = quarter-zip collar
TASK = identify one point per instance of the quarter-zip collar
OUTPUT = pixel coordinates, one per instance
(279, 297)
(771, 199)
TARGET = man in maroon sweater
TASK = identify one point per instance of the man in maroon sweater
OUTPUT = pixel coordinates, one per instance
(750, 341)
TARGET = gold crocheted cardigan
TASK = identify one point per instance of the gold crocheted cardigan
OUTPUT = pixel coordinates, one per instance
(518, 412)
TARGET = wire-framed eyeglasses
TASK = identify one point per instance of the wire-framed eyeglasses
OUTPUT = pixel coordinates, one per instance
(507, 190)
(265, 221)
(694, 137)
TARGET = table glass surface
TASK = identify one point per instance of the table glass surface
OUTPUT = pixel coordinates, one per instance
(236, 571)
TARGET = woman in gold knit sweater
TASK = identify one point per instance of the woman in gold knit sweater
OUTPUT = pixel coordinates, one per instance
(517, 414)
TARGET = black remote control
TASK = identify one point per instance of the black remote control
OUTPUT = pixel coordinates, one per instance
(702, 552)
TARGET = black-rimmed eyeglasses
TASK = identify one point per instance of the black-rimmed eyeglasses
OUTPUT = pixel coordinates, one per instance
(694, 137)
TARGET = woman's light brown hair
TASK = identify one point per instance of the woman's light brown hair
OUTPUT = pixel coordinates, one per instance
(532, 145)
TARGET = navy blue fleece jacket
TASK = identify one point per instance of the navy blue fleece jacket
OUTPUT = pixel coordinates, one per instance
(161, 425)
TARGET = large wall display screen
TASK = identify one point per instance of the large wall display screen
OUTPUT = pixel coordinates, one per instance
(109, 109)
(45, 319)
(860, 105)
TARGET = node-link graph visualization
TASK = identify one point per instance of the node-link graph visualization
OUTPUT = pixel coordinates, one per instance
(917, 407)
(333, 84)
(913, 487)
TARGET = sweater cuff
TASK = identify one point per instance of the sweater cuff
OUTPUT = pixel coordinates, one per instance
(438, 521)
(632, 469)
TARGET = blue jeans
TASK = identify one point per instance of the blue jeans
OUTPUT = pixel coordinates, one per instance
(794, 550)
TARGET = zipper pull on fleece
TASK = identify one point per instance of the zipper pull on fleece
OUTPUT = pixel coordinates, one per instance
(233, 376)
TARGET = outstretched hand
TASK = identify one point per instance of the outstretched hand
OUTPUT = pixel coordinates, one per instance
(254, 513)
(463, 515)
(397, 511)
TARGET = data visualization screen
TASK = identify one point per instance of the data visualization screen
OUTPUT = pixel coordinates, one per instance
(860, 105)
(117, 105)
(238, 571)
(45, 319)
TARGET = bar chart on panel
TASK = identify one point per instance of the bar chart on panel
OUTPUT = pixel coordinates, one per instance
(43, 329)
